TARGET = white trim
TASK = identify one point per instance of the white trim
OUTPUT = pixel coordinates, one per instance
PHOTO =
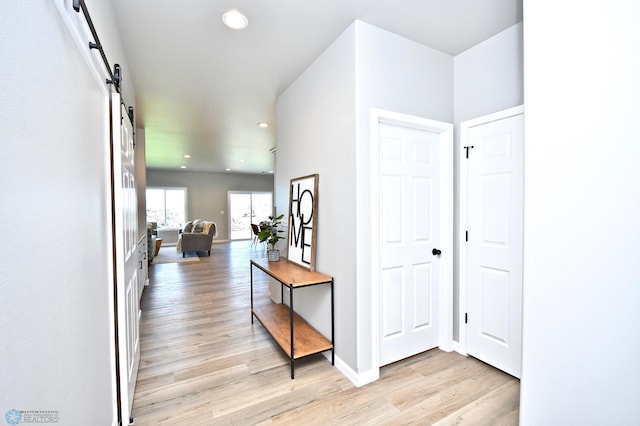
(495, 116)
(445, 130)
(358, 379)
(457, 347)
(446, 235)
(461, 345)
(376, 116)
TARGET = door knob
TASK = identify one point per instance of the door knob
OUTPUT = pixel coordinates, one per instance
(436, 252)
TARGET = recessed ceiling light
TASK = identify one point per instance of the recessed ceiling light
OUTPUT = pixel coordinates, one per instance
(228, 170)
(183, 167)
(263, 124)
(271, 171)
(235, 20)
(187, 156)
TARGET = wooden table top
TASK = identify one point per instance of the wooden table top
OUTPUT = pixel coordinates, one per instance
(290, 273)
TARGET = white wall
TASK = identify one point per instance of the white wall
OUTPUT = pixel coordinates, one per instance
(400, 75)
(324, 127)
(56, 321)
(486, 78)
(582, 203)
(316, 133)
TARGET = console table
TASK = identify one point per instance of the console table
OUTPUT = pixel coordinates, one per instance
(292, 333)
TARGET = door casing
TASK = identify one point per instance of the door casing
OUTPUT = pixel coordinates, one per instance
(445, 131)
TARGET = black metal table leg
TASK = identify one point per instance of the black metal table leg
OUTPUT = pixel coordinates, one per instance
(333, 345)
(291, 328)
(251, 269)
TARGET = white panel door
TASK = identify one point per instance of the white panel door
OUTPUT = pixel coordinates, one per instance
(494, 246)
(126, 232)
(409, 231)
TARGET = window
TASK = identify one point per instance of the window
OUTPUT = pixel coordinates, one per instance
(246, 208)
(167, 206)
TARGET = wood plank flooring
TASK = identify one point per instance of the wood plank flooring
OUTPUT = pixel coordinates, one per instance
(203, 363)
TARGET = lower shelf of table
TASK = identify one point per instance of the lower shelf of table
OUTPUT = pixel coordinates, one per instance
(306, 340)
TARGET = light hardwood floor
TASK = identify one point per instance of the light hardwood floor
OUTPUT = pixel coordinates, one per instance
(204, 363)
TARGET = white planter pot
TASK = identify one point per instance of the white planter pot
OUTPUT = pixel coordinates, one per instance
(273, 255)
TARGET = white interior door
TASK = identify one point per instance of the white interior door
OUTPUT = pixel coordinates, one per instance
(409, 231)
(126, 231)
(494, 241)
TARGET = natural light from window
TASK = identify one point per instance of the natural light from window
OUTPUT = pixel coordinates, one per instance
(248, 208)
(167, 207)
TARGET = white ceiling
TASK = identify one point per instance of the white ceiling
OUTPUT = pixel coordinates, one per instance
(201, 88)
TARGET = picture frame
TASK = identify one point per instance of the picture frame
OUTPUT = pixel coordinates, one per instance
(303, 220)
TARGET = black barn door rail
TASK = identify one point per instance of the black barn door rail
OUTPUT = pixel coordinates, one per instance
(116, 75)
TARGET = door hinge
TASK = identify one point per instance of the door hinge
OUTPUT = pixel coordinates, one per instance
(467, 148)
(466, 318)
(466, 235)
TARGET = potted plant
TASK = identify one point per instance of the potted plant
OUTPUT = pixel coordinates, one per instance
(269, 233)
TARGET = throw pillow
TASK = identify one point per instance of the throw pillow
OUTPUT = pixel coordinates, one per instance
(187, 227)
(206, 226)
(197, 227)
(195, 223)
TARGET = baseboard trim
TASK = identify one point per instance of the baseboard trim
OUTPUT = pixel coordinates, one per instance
(358, 379)
(447, 346)
(457, 347)
(370, 376)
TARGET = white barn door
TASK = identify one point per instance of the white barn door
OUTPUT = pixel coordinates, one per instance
(125, 218)
(412, 243)
(494, 239)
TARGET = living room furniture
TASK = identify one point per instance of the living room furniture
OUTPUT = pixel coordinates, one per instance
(197, 235)
(292, 333)
(256, 230)
(152, 237)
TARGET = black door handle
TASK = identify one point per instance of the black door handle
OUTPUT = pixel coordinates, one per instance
(436, 252)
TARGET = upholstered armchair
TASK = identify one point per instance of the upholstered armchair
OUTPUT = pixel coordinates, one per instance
(197, 236)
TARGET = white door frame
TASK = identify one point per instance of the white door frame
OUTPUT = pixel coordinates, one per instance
(445, 130)
(461, 346)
